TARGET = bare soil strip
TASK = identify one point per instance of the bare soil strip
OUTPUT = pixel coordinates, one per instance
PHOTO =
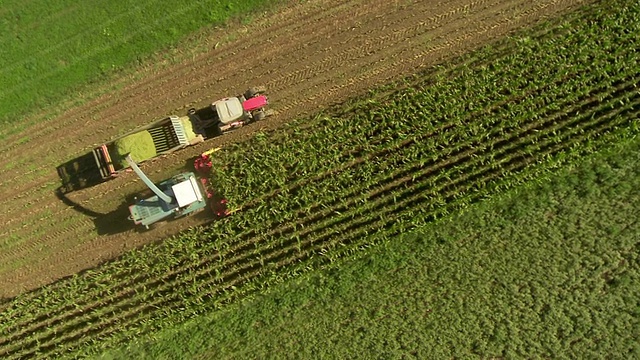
(310, 56)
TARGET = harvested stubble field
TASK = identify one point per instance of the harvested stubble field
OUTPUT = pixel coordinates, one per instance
(310, 56)
(326, 187)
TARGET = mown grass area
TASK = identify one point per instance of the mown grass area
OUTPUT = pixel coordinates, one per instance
(548, 270)
(51, 48)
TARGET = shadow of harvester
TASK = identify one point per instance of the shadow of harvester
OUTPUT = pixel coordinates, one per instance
(81, 173)
(110, 223)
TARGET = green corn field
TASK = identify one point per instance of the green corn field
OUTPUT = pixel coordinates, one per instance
(330, 186)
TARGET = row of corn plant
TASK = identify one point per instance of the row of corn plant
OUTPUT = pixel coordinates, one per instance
(362, 209)
(298, 148)
(79, 333)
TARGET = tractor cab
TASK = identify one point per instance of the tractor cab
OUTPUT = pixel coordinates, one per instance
(186, 192)
(229, 110)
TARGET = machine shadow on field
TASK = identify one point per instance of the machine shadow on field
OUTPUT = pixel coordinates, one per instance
(79, 173)
(117, 221)
(110, 223)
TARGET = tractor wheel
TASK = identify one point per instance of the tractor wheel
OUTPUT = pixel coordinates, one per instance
(259, 115)
(254, 91)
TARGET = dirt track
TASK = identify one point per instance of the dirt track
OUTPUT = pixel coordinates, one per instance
(310, 56)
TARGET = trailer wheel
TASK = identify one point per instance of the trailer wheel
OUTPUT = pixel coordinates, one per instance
(218, 130)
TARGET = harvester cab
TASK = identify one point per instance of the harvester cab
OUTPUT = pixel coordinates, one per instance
(175, 197)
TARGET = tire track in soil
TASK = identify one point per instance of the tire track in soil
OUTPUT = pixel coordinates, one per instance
(323, 66)
(327, 90)
(400, 17)
(285, 80)
(116, 312)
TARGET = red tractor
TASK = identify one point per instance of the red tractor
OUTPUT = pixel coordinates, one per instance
(230, 113)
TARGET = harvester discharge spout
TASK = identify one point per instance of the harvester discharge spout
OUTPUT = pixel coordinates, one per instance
(166, 198)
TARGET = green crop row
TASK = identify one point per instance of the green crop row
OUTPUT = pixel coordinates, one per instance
(603, 217)
(297, 151)
(332, 185)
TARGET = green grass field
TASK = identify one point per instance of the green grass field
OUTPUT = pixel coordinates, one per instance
(547, 270)
(52, 49)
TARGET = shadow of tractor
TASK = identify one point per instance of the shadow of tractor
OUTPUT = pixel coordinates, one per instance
(110, 223)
